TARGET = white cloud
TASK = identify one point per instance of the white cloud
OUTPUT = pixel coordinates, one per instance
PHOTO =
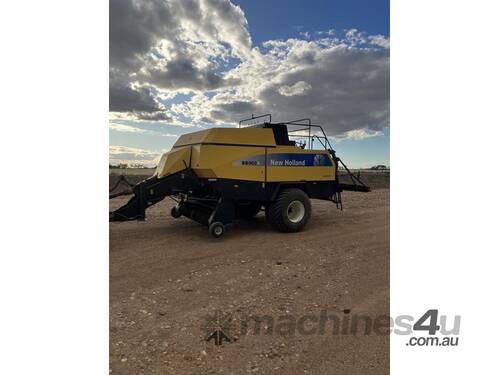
(131, 151)
(170, 45)
(125, 128)
(335, 83)
(159, 130)
(358, 134)
(131, 155)
(158, 48)
(355, 37)
(298, 88)
(379, 40)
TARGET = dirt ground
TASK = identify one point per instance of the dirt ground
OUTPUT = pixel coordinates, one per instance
(172, 285)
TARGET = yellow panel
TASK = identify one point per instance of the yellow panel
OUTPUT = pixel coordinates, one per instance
(215, 161)
(294, 174)
(246, 163)
(173, 161)
(191, 138)
(229, 136)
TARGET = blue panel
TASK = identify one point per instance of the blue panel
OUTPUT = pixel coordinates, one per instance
(287, 160)
(298, 160)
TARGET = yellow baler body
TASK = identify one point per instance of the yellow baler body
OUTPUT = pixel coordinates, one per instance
(173, 161)
(249, 154)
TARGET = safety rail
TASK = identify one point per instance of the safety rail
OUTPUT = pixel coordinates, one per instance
(304, 123)
(253, 118)
(309, 129)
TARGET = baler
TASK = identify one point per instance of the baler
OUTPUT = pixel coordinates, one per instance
(220, 175)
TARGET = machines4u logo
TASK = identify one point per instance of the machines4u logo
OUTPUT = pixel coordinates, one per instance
(435, 329)
(218, 327)
(430, 329)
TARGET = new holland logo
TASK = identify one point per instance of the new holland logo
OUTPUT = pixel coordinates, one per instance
(287, 163)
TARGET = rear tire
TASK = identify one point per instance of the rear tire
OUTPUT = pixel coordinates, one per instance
(290, 212)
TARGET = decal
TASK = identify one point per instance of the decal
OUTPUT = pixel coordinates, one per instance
(286, 160)
(298, 160)
(251, 161)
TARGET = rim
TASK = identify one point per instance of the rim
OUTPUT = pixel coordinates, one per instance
(295, 211)
(218, 230)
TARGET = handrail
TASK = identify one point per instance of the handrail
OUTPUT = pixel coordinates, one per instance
(255, 117)
(309, 136)
(306, 124)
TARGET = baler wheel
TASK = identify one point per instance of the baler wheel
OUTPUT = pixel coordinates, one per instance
(216, 229)
(290, 212)
(175, 212)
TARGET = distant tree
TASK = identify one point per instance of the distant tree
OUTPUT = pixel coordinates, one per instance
(379, 167)
(138, 166)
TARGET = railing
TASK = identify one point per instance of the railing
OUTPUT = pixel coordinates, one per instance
(308, 129)
(255, 120)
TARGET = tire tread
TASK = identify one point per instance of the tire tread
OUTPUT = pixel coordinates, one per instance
(274, 212)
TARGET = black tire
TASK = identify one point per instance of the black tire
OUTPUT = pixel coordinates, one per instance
(175, 212)
(290, 212)
(248, 210)
(216, 229)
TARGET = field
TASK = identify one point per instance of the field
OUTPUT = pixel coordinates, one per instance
(141, 172)
(169, 281)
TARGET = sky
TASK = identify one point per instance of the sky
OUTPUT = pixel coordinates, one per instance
(178, 66)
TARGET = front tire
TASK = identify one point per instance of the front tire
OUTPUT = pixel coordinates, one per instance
(290, 212)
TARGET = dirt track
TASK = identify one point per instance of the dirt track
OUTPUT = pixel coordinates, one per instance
(167, 275)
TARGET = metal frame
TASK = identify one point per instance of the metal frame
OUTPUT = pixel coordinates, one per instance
(304, 123)
(255, 118)
(310, 137)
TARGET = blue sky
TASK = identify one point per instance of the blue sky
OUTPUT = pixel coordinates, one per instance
(282, 19)
(217, 63)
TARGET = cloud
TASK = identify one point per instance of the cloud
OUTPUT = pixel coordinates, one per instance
(131, 155)
(170, 45)
(341, 83)
(346, 89)
(143, 128)
(159, 48)
(355, 37)
(182, 73)
(298, 88)
(125, 128)
(359, 134)
(379, 40)
(125, 98)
